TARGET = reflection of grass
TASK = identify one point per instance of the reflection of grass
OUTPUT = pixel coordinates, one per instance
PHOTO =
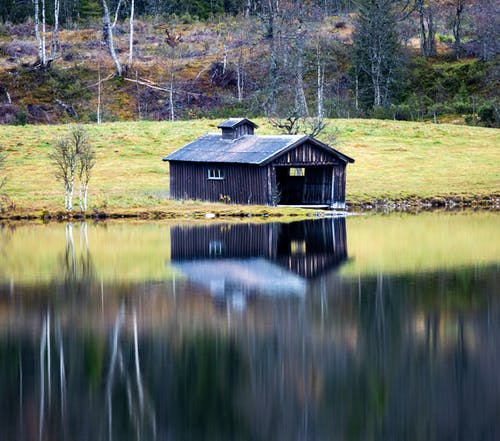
(119, 252)
(393, 159)
(135, 252)
(421, 243)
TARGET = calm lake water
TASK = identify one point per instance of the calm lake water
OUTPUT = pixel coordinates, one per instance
(358, 328)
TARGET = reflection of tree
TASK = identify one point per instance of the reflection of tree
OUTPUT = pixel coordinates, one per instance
(77, 267)
(140, 411)
(382, 358)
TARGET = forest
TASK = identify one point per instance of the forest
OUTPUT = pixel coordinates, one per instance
(112, 60)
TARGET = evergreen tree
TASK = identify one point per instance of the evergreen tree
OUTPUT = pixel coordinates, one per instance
(377, 57)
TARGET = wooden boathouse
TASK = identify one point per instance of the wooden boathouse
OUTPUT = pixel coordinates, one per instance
(237, 166)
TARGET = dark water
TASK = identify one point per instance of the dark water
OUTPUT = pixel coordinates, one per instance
(365, 328)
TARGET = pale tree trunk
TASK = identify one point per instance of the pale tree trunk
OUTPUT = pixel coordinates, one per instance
(356, 97)
(55, 34)
(99, 92)
(37, 29)
(108, 31)
(224, 58)
(44, 31)
(84, 190)
(116, 13)
(239, 81)
(300, 97)
(320, 81)
(273, 14)
(70, 191)
(375, 75)
(171, 98)
(131, 36)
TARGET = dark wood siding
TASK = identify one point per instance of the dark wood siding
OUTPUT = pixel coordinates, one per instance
(339, 184)
(323, 183)
(236, 241)
(242, 184)
(305, 248)
(306, 154)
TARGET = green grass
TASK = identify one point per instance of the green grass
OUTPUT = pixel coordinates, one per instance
(394, 160)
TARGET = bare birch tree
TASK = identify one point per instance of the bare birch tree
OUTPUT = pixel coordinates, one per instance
(131, 35)
(86, 162)
(300, 97)
(3, 180)
(108, 36)
(2, 166)
(117, 11)
(41, 36)
(37, 30)
(55, 33)
(68, 155)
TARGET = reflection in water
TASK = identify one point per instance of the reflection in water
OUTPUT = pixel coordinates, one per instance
(236, 261)
(325, 355)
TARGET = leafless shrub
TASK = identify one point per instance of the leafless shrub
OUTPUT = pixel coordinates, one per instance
(74, 157)
(19, 48)
(293, 123)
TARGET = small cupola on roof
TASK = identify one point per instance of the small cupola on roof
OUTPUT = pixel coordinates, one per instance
(234, 128)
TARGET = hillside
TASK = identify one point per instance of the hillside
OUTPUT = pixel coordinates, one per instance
(395, 161)
(221, 66)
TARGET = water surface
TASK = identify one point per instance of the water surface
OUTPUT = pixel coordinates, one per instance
(358, 328)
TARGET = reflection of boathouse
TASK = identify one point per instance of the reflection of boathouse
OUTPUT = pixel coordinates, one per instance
(271, 258)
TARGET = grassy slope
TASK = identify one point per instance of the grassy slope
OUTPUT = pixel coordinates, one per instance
(393, 160)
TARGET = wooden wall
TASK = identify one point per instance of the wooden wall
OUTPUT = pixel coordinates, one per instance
(305, 248)
(252, 184)
(236, 241)
(306, 154)
(242, 184)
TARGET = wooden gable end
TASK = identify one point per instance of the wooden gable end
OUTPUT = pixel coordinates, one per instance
(306, 154)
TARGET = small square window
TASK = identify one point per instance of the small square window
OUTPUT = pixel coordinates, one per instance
(215, 248)
(215, 173)
(298, 247)
(297, 171)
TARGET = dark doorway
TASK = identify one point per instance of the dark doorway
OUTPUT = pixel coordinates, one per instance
(304, 185)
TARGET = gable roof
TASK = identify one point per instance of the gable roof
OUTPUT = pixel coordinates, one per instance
(235, 122)
(247, 149)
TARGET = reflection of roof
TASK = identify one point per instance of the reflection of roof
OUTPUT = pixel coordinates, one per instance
(247, 149)
(254, 274)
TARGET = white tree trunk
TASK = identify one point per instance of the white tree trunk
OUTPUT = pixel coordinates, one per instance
(70, 190)
(239, 81)
(131, 36)
(55, 34)
(171, 99)
(37, 29)
(116, 13)
(224, 58)
(109, 38)
(44, 53)
(98, 116)
(321, 82)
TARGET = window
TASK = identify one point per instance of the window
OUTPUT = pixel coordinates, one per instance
(215, 173)
(297, 171)
(298, 247)
(215, 248)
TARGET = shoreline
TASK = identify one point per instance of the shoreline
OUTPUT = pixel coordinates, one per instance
(214, 211)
